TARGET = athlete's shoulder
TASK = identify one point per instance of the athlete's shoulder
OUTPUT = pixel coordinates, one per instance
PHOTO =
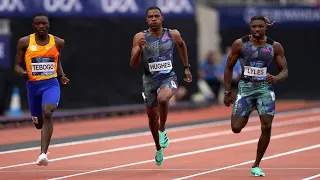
(277, 47)
(24, 38)
(139, 35)
(237, 45)
(245, 38)
(274, 43)
(24, 41)
(270, 41)
(174, 31)
(241, 40)
(58, 40)
(238, 41)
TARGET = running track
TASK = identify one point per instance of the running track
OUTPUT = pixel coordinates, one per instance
(206, 151)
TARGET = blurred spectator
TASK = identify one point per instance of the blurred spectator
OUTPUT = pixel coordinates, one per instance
(211, 71)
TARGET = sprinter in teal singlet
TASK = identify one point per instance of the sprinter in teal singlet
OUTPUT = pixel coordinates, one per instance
(255, 89)
(154, 47)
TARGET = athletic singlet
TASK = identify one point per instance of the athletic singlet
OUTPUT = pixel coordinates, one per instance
(157, 55)
(255, 60)
(41, 61)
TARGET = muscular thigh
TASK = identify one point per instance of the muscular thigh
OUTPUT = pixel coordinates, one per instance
(149, 92)
(151, 88)
(171, 82)
(243, 105)
(266, 102)
(34, 100)
(51, 96)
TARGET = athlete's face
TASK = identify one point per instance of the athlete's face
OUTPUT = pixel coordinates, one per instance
(154, 19)
(258, 28)
(41, 25)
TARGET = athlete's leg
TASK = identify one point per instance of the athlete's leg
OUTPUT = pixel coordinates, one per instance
(266, 109)
(150, 99)
(266, 123)
(50, 101)
(34, 100)
(242, 109)
(163, 98)
(238, 123)
(153, 117)
(47, 128)
(165, 92)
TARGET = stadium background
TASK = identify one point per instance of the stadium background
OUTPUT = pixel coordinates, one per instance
(99, 34)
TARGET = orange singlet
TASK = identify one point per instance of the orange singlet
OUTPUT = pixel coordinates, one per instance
(41, 61)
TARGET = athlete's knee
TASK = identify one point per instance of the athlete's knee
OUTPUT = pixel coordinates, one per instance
(47, 114)
(163, 100)
(266, 123)
(236, 129)
(153, 114)
(238, 123)
(47, 111)
(152, 119)
(266, 127)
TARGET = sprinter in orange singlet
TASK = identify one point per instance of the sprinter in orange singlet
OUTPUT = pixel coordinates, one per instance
(39, 53)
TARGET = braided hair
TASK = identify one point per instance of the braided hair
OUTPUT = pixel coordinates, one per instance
(263, 18)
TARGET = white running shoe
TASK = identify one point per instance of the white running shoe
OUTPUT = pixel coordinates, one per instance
(42, 160)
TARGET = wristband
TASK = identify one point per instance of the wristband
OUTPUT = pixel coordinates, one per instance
(227, 92)
(187, 66)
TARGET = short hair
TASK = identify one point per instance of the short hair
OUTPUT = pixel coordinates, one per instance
(152, 8)
(263, 18)
(41, 14)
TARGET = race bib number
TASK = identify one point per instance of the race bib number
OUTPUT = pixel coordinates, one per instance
(42, 66)
(160, 66)
(255, 71)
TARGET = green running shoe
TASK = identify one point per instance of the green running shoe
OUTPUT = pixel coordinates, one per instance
(159, 157)
(257, 171)
(163, 139)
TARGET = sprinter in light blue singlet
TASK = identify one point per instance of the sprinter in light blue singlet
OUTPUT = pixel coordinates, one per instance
(255, 89)
(154, 47)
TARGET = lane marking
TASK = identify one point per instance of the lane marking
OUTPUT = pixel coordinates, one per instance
(285, 135)
(312, 177)
(175, 129)
(188, 138)
(148, 169)
(252, 161)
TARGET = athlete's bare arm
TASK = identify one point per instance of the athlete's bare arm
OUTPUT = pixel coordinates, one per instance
(60, 45)
(280, 61)
(137, 47)
(22, 46)
(181, 45)
(232, 60)
(182, 48)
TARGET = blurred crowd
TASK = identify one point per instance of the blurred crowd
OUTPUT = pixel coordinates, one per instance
(211, 78)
